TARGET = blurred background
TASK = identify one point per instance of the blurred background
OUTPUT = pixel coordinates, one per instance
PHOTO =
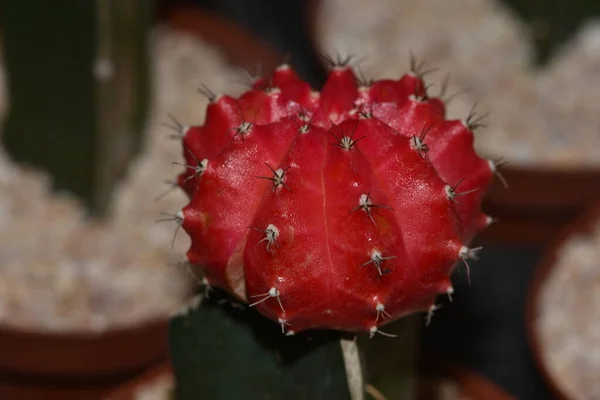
(92, 98)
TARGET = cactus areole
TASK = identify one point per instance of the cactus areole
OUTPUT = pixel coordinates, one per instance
(342, 209)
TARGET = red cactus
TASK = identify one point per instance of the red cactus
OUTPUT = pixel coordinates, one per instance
(341, 209)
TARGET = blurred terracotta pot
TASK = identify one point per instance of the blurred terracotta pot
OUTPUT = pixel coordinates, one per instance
(469, 385)
(582, 225)
(476, 387)
(240, 46)
(538, 203)
(80, 366)
(128, 390)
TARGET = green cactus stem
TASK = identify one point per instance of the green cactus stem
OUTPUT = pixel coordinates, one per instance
(78, 81)
(222, 349)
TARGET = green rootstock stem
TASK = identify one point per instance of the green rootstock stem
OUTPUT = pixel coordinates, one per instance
(78, 81)
(391, 363)
(221, 349)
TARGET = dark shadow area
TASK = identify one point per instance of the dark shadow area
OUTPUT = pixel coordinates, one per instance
(483, 328)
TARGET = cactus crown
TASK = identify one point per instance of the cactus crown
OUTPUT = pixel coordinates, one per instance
(344, 208)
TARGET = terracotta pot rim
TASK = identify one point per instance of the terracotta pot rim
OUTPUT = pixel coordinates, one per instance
(84, 335)
(240, 46)
(126, 391)
(581, 225)
(472, 384)
(543, 201)
(542, 169)
(115, 352)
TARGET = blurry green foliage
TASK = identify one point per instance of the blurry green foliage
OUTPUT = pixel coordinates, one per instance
(62, 118)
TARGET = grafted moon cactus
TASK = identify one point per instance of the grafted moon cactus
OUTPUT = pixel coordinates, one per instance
(341, 209)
